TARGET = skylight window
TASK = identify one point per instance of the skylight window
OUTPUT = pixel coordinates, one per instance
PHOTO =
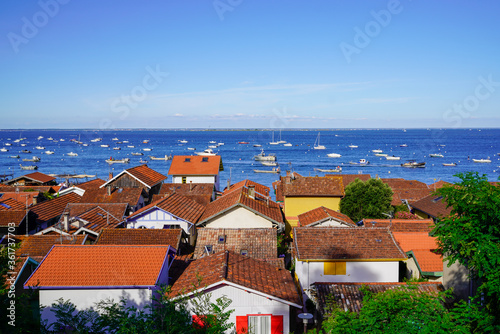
(208, 249)
(5, 205)
(204, 159)
(187, 160)
(437, 199)
(221, 239)
(244, 252)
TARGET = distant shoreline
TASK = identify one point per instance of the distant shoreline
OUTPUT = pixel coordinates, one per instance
(251, 129)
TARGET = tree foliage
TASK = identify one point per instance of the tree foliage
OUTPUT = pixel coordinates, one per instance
(368, 199)
(471, 234)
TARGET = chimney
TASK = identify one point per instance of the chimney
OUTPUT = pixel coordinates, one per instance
(288, 178)
(110, 176)
(66, 221)
(35, 199)
(251, 192)
(109, 190)
(190, 185)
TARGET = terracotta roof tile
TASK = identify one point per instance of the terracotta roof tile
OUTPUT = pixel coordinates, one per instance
(177, 205)
(22, 189)
(423, 247)
(260, 204)
(433, 205)
(11, 204)
(25, 197)
(92, 184)
(146, 175)
(197, 165)
(314, 186)
(349, 243)
(130, 236)
(321, 214)
(260, 188)
(201, 193)
(40, 245)
(131, 196)
(410, 190)
(40, 177)
(401, 225)
(241, 270)
(349, 297)
(349, 178)
(98, 266)
(53, 208)
(11, 216)
(260, 243)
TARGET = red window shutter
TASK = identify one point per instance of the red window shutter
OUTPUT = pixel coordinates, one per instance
(241, 324)
(276, 324)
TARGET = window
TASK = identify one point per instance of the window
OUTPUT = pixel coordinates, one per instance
(222, 239)
(204, 159)
(183, 179)
(208, 249)
(244, 252)
(187, 160)
(260, 324)
(334, 268)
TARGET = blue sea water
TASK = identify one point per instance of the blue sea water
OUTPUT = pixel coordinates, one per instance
(456, 145)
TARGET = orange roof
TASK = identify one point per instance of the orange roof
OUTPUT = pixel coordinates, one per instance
(433, 205)
(25, 197)
(177, 205)
(131, 196)
(314, 186)
(143, 174)
(40, 245)
(241, 270)
(401, 225)
(11, 216)
(11, 204)
(40, 177)
(260, 205)
(67, 266)
(320, 214)
(195, 165)
(92, 184)
(423, 248)
(53, 208)
(201, 193)
(132, 236)
(410, 190)
(260, 188)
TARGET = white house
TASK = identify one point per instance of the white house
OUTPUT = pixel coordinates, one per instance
(262, 295)
(324, 217)
(196, 169)
(345, 254)
(85, 274)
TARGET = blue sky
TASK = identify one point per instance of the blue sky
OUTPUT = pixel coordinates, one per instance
(249, 64)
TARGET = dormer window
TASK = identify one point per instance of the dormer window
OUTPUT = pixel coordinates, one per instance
(208, 249)
(187, 160)
(221, 239)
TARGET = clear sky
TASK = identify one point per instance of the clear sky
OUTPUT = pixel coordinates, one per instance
(249, 64)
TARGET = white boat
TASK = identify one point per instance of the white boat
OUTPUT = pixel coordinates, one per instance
(96, 140)
(281, 141)
(131, 146)
(61, 139)
(273, 171)
(212, 146)
(8, 144)
(49, 152)
(137, 153)
(269, 163)
(413, 164)
(40, 148)
(50, 138)
(334, 155)
(118, 161)
(317, 145)
(72, 154)
(287, 144)
(24, 144)
(206, 153)
(403, 145)
(377, 151)
(353, 146)
(212, 142)
(192, 148)
(483, 161)
(28, 167)
(146, 141)
(40, 137)
(220, 144)
(143, 161)
(147, 149)
(257, 145)
(263, 157)
(33, 159)
(25, 151)
(117, 148)
(3, 149)
(183, 141)
(393, 158)
(335, 170)
(104, 145)
(165, 158)
(115, 139)
(125, 141)
(14, 156)
(436, 155)
(452, 164)
(381, 154)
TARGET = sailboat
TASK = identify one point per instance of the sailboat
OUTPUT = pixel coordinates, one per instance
(281, 141)
(317, 145)
(273, 142)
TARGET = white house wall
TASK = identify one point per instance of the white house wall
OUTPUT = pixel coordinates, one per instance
(331, 222)
(86, 298)
(245, 303)
(239, 218)
(157, 219)
(214, 179)
(356, 272)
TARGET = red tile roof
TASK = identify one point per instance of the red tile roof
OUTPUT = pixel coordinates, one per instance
(433, 205)
(147, 175)
(261, 205)
(349, 297)
(401, 225)
(314, 186)
(25, 197)
(23, 189)
(201, 193)
(260, 188)
(197, 165)
(345, 243)
(349, 178)
(321, 214)
(260, 243)
(423, 247)
(40, 245)
(100, 266)
(53, 208)
(92, 184)
(131, 196)
(130, 236)
(11, 204)
(176, 205)
(11, 216)
(241, 270)
(40, 177)
(410, 190)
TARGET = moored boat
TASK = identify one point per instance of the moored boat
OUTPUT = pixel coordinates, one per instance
(436, 155)
(165, 158)
(483, 161)
(28, 167)
(137, 153)
(72, 154)
(208, 152)
(413, 164)
(118, 161)
(263, 157)
(33, 159)
(334, 170)
(449, 164)
(393, 158)
(272, 171)
(317, 145)
(334, 155)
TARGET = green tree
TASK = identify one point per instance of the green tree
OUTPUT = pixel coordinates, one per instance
(370, 199)
(402, 310)
(471, 236)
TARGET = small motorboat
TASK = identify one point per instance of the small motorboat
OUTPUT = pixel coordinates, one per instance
(33, 159)
(104, 145)
(353, 146)
(243, 142)
(117, 148)
(40, 148)
(362, 162)
(482, 161)
(183, 141)
(403, 145)
(49, 152)
(25, 151)
(137, 153)
(208, 152)
(413, 164)
(287, 144)
(436, 155)
(192, 148)
(335, 170)
(257, 145)
(269, 163)
(377, 151)
(452, 164)
(96, 140)
(381, 154)
(272, 171)
(118, 161)
(14, 156)
(3, 149)
(72, 154)
(263, 157)
(130, 146)
(165, 158)
(393, 158)
(28, 167)
(334, 155)
(147, 149)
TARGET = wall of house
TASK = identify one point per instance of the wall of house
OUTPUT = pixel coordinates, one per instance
(247, 303)
(411, 268)
(295, 206)
(239, 218)
(421, 214)
(194, 179)
(331, 222)
(85, 298)
(456, 276)
(356, 272)
(158, 219)
(126, 181)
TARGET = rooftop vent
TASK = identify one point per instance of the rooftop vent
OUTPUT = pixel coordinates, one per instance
(221, 239)
(244, 252)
